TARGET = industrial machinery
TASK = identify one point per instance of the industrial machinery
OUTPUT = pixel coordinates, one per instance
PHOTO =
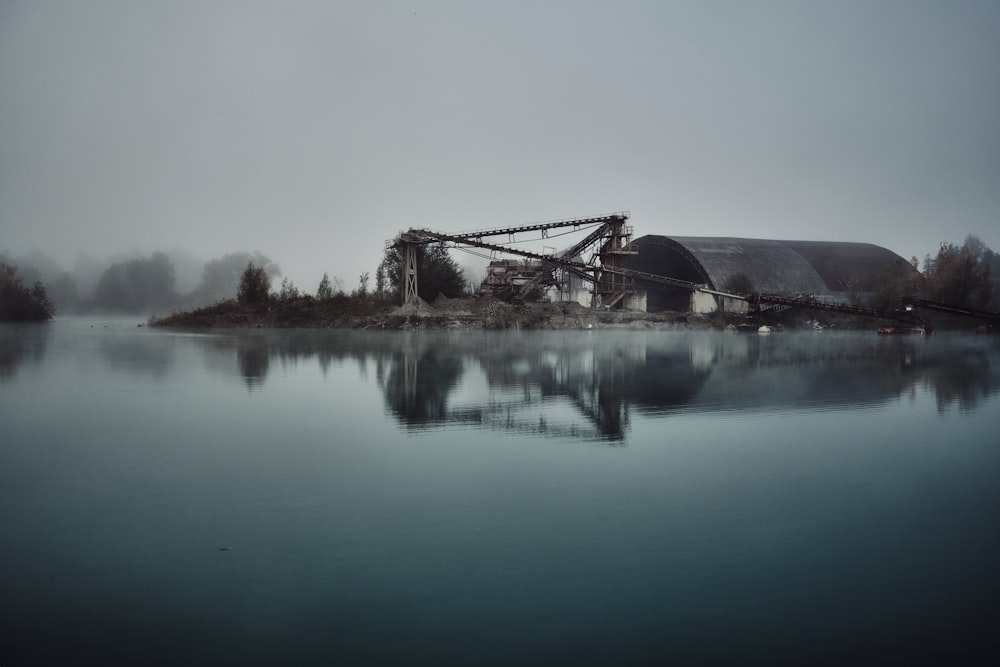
(609, 283)
(609, 240)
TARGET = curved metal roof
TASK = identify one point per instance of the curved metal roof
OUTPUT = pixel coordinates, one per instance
(823, 268)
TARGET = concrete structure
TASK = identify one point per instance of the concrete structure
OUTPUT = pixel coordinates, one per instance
(574, 288)
(829, 270)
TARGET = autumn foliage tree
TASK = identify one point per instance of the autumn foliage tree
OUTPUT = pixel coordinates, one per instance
(959, 275)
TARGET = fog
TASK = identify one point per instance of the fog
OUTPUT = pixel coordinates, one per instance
(314, 131)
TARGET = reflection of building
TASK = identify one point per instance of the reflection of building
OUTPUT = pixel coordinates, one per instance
(581, 385)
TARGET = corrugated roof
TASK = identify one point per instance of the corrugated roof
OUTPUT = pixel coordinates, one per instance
(823, 268)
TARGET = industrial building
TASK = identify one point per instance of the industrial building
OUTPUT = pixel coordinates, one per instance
(828, 270)
(678, 273)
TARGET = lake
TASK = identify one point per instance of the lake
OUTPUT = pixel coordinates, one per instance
(493, 498)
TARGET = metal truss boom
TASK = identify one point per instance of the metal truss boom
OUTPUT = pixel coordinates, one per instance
(428, 236)
(951, 309)
(542, 227)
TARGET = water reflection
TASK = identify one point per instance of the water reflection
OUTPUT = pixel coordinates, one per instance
(964, 379)
(530, 380)
(139, 354)
(417, 380)
(253, 358)
(572, 385)
(21, 344)
(591, 386)
(245, 356)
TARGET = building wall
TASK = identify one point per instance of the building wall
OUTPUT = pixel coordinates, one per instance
(703, 303)
(636, 301)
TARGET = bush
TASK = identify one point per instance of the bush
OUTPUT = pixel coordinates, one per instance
(20, 304)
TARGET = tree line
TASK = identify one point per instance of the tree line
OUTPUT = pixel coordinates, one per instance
(142, 285)
(132, 286)
(438, 273)
(960, 275)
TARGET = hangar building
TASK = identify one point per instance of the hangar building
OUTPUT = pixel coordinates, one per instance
(828, 270)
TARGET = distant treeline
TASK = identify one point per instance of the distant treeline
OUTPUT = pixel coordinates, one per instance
(149, 285)
(140, 285)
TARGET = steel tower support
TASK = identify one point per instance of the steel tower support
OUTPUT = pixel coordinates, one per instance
(614, 283)
(409, 269)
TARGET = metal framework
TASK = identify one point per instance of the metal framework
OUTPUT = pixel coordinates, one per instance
(611, 235)
(613, 283)
(985, 315)
(759, 301)
(409, 245)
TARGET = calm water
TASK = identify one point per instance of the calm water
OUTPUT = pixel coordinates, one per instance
(320, 498)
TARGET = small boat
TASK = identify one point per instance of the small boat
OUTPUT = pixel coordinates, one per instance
(764, 329)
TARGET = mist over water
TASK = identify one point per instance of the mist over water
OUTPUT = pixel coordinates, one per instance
(304, 497)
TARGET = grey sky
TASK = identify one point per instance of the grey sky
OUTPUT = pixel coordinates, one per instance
(314, 131)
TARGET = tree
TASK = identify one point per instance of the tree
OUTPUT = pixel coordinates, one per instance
(892, 283)
(325, 290)
(137, 285)
(437, 272)
(19, 303)
(739, 283)
(381, 287)
(64, 293)
(959, 275)
(220, 277)
(288, 290)
(255, 285)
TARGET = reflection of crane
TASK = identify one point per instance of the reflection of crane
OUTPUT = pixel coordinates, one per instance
(611, 236)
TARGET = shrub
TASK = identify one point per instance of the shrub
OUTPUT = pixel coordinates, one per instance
(19, 303)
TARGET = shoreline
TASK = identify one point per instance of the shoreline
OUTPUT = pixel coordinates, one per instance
(471, 314)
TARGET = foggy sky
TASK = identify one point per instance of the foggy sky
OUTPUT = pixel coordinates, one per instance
(313, 131)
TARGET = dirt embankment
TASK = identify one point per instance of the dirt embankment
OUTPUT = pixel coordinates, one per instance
(444, 313)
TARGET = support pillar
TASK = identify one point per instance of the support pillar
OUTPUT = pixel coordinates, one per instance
(409, 273)
(612, 288)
